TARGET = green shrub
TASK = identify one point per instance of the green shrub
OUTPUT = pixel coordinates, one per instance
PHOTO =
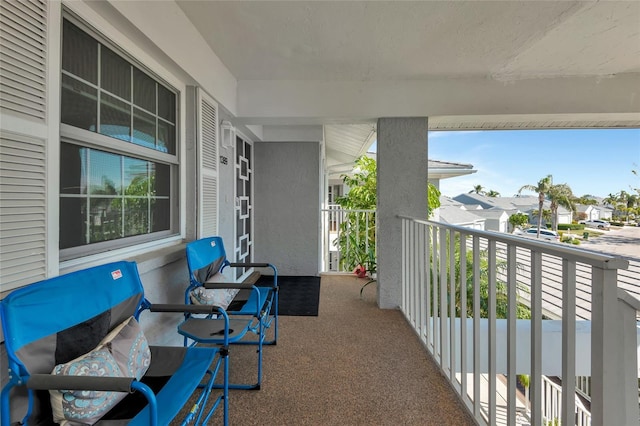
(570, 226)
(617, 224)
(575, 242)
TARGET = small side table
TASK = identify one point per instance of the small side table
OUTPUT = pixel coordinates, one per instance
(372, 279)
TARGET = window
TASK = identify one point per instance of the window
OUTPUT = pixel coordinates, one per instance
(118, 162)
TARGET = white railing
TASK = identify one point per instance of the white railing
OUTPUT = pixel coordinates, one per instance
(551, 404)
(456, 316)
(347, 235)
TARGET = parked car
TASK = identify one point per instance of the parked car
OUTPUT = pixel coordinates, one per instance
(596, 223)
(545, 234)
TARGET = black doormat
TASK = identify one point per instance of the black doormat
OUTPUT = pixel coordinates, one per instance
(299, 296)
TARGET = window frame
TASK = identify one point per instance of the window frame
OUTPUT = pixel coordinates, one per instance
(97, 141)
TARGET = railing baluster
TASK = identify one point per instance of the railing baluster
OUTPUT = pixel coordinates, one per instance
(434, 292)
(463, 317)
(477, 348)
(429, 286)
(536, 339)
(444, 343)
(414, 276)
(405, 265)
(452, 306)
(421, 283)
(492, 331)
(568, 341)
(512, 289)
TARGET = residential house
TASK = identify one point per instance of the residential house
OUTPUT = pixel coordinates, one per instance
(131, 127)
(495, 219)
(522, 204)
(590, 212)
(455, 213)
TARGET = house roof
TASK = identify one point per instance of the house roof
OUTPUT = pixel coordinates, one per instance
(446, 169)
(457, 216)
(437, 169)
(583, 208)
(491, 214)
(448, 201)
(510, 204)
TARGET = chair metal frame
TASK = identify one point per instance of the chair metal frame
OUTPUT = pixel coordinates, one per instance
(261, 306)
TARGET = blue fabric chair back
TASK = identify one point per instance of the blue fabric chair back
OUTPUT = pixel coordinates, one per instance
(205, 258)
(104, 287)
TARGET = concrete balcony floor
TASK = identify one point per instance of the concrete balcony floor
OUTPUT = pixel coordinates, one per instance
(354, 364)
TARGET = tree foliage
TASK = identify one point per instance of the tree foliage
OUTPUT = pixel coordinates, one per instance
(502, 300)
(356, 241)
(560, 195)
(518, 220)
(362, 185)
(542, 188)
(477, 189)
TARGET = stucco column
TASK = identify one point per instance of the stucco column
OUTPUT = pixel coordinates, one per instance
(402, 190)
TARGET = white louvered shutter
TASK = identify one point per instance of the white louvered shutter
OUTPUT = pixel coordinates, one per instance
(23, 47)
(208, 170)
(23, 94)
(22, 210)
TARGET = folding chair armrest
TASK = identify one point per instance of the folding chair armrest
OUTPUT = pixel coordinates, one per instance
(249, 265)
(51, 381)
(190, 309)
(221, 285)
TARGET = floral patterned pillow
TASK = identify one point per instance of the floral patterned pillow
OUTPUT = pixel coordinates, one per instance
(129, 347)
(221, 297)
(124, 352)
(85, 407)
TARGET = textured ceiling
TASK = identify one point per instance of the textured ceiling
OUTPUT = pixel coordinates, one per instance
(383, 40)
(392, 41)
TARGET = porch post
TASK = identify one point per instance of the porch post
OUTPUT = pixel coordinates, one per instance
(402, 190)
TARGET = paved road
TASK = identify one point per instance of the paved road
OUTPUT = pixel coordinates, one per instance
(623, 241)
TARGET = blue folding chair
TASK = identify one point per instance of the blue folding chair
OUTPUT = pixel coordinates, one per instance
(75, 349)
(206, 259)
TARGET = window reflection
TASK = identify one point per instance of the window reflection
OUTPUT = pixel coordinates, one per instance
(115, 118)
(79, 104)
(144, 129)
(105, 178)
(126, 196)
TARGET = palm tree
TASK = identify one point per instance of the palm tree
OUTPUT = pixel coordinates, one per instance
(559, 195)
(492, 193)
(478, 189)
(610, 200)
(632, 201)
(587, 200)
(623, 199)
(542, 188)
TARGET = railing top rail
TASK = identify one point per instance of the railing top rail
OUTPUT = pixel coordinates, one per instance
(629, 299)
(333, 210)
(564, 251)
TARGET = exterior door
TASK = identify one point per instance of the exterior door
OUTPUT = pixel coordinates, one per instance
(243, 247)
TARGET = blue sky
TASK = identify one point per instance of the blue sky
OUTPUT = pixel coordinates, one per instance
(596, 162)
